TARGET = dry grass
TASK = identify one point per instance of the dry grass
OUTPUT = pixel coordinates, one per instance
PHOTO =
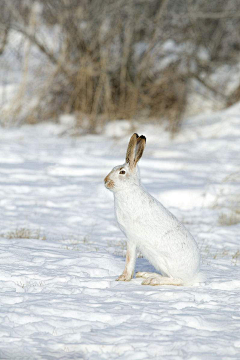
(208, 253)
(229, 219)
(236, 257)
(93, 69)
(232, 200)
(24, 233)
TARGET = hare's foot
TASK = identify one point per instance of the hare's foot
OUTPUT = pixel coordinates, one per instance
(145, 275)
(124, 277)
(161, 280)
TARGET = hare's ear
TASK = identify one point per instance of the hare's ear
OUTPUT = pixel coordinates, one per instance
(141, 143)
(131, 150)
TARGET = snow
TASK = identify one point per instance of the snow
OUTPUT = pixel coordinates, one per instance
(61, 251)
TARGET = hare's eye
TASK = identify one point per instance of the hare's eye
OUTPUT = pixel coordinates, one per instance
(122, 172)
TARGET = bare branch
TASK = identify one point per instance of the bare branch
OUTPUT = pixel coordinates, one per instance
(4, 40)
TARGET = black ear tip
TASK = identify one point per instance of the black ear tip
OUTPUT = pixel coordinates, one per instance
(143, 137)
(136, 135)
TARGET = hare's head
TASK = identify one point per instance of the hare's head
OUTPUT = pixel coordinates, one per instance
(122, 176)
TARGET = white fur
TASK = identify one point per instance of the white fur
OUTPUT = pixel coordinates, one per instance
(152, 229)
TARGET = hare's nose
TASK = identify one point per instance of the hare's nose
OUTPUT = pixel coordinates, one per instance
(108, 182)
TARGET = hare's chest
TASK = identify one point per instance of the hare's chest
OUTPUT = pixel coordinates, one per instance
(126, 216)
(123, 217)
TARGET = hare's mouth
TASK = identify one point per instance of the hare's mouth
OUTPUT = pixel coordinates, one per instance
(109, 184)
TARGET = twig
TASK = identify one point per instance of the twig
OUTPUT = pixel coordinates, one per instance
(208, 86)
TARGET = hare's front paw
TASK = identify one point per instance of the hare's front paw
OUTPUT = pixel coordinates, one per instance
(124, 277)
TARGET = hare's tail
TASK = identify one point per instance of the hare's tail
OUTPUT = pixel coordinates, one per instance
(198, 278)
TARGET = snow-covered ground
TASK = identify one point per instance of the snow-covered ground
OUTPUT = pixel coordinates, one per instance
(61, 250)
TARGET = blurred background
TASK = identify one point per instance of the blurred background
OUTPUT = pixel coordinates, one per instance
(97, 60)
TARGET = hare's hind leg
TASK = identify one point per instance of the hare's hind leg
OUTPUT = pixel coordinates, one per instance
(161, 280)
(146, 275)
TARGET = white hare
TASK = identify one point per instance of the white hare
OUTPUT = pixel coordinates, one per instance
(150, 227)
